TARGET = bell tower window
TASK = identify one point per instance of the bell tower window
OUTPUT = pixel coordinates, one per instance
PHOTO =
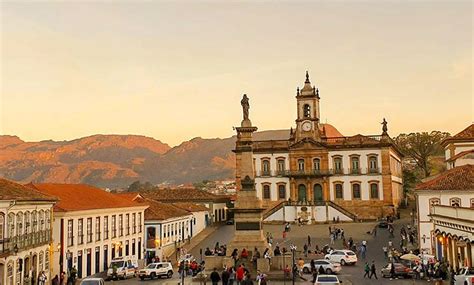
(306, 111)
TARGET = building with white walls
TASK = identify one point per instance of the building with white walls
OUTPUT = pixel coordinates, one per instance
(25, 233)
(92, 226)
(315, 173)
(459, 149)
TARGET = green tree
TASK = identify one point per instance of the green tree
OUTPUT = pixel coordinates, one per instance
(421, 147)
(135, 187)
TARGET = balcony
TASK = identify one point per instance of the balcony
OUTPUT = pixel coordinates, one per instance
(318, 173)
(357, 171)
(25, 241)
(309, 173)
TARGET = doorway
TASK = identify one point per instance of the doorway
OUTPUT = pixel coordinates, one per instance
(318, 192)
(302, 193)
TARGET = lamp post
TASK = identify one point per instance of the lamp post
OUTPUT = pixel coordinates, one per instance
(293, 251)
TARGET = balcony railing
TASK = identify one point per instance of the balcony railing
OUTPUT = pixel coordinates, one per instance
(310, 173)
(25, 241)
(318, 173)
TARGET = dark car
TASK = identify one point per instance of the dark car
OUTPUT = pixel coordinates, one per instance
(230, 222)
(383, 223)
(401, 270)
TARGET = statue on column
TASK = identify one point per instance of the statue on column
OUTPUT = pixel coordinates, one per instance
(384, 126)
(245, 106)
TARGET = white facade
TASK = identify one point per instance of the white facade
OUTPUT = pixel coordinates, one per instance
(25, 250)
(425, 199)
(90, 239)
(272, 178)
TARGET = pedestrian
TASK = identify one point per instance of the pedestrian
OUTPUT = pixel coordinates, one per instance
(300, 266)
(375, 231)
(42, 278)
(215, 278)
(305, 249)
(366, 269)
(73, 274)
(231, 275)
(385, 252)
(247, 280)
(321, 270)
(373, 271)
(392, 271)
(55, 280)
(240, 274)
(225, 275)
(330, 231)
(309, 240)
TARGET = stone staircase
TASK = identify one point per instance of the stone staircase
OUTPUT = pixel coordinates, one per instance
(342, 210)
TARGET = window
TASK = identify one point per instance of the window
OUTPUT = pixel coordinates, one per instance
(41, 257)
(46, 261)
(139, 222)
(120, 225)
(80, 231)
(281, 165)
(434, 201)
(281, 191)
(2, 222)
(472, 202)
(455, 202)
(316, 164)
(356, 191)
(97, 228)
(70, 238)
(11, 225)
(27, 223)
(266, 191)
(89, 229)
(338, 165)
(301, 164)
(48, 219)
(265, 167)
(306, 111)
(374, 191)
(41, 219)
(10, 273)
(338, 191)
(106, 227)
(373, 167)
(34, 217)
(355, 165)
(134, 223)
(127, 224)
(19, 224)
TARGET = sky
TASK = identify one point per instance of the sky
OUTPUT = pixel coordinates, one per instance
(174, 70)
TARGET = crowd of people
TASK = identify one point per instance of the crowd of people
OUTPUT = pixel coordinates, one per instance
(240, 275)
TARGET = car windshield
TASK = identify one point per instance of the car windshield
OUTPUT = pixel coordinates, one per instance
(90, 282)
(117, 264)
(327, 279)
(350, 253)
(470, 271)
(151, 266)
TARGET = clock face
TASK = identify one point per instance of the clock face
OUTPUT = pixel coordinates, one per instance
(306, 126)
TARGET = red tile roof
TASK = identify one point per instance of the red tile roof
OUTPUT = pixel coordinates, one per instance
(461, 154)
(183, 195)
(191, 207)
(465, 135)
(79, 197)
(458, 178)
(10, 190)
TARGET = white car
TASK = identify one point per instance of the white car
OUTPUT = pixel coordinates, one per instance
(465, 276)
(124, 268)
(92, 281)
(344, 256)
(157, 269)
(327, 280)
(328, 266)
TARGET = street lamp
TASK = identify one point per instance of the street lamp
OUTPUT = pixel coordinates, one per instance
(293, 250)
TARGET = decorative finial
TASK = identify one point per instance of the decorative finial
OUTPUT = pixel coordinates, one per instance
(307, 77)
(317, 92)
(384, 126)
(297, 91)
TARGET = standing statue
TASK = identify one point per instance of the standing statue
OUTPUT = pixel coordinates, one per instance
(245, 106)
(384, 126)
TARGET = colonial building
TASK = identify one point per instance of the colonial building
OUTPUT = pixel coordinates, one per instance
(92, 226)
(25, 234)
(451, 189)
(167, 225)
(459, 149)
(315, 173)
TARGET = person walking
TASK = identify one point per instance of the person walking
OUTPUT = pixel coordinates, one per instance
(215, 277)
(309, 240)
(366, 270)
(231, 275)
(373, 270)
(240, 274)
(42, 278)
(247, 280)
(225, 277)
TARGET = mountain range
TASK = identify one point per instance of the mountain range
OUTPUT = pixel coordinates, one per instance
(118, 160)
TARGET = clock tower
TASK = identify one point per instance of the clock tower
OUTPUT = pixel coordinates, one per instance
(307, 123)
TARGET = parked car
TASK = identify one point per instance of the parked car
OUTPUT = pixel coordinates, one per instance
(327, 280)
(328, 266)
(92, 281)
(344, 256)
(157, 269)
(125, 267)
(230, 222)
(465, 276)
(401, 270)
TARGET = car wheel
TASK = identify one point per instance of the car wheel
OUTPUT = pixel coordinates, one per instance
(343, 262)
(142, 278)
(328, 271)
(170, 274)
(152, 275)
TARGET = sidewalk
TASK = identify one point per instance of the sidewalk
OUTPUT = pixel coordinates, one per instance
(196, 240)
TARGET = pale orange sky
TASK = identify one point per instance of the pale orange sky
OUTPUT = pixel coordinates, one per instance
(177, 70)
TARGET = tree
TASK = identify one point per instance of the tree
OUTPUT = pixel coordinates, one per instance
(135, 186)
(421, 147)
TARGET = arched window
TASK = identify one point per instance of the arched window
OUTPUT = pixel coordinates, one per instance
(266, 191)
(46, 261)
(355, 167)
(48, 219)
(34, 218)
(41, 258)
(281, 191)
(374, 191)
(337, 165)
(41, 219)
(434, 201)
(300, 164)
(306, 111)
(455, 202)
(266, 167)
(281, 165)
(19, 223)
(355, 190)
(316, 164)
(2, 225)
(10, 273)
(27, 222)
(338, 191)
(11, 225)
(373, 166)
